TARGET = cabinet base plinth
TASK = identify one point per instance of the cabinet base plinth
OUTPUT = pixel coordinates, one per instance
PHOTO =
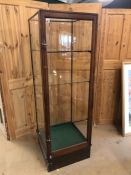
(68, 159)
(64, 160)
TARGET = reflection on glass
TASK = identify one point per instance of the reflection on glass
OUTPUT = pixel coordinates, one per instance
(65, 41)
(68, 35)
(59, 67)
(58, 34)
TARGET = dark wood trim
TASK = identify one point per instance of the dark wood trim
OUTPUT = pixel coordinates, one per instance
(62, 21)
(67, 15)
(70, 158)
(69, 149)
(30, 19)
(71, 51)
(45, 87)
(92, 78)
(71, 69)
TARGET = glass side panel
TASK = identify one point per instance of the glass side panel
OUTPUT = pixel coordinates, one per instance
(59, 75)
(34, 34)
(60, 103)
(81, 66)
(80, 90)
(80, 101)
(39, 94)
(37, 76)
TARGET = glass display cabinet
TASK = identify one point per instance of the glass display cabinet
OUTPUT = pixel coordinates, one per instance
(63, 47)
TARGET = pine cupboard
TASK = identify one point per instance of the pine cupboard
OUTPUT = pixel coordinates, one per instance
(115, 47)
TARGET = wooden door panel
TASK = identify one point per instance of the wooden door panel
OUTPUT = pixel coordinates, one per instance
(110, 95)
(12, 41)
(113, 36)
(23, 110)
(126, 40)
(18, 103)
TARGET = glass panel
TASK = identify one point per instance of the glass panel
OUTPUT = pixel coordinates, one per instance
(34, 34)
(39, 94)
(58, 34)
(35, 46)
(80, 101)
(59, 68)
(82, 34)
(59, 73)
(60, 103)
(81, 66)
(80, 106)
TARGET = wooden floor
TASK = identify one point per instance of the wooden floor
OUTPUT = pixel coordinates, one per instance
(111, 155)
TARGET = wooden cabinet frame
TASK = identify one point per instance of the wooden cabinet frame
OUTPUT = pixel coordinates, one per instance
(80, 151)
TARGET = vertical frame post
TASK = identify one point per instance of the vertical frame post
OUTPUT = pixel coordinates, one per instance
(92, 77)
(45, 83)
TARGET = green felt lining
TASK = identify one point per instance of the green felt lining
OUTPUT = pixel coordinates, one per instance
(65, 135)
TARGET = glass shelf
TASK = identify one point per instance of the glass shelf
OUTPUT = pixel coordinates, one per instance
(61, 51)
(69, 83)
